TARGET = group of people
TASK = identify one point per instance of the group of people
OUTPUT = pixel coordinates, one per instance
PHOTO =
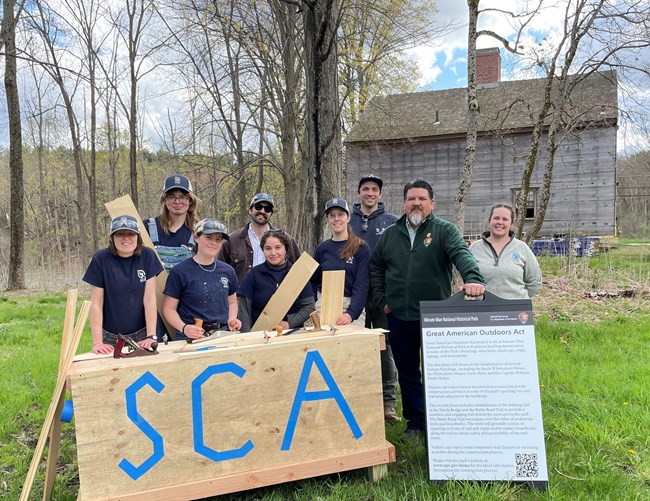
(223, 281)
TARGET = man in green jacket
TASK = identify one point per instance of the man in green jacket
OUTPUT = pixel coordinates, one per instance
(412, 262)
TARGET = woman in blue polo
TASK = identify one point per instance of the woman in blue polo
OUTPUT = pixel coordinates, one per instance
(123, 288)
(261, 282)
(202, 287)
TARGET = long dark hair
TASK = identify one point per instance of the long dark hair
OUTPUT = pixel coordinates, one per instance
(352, 245)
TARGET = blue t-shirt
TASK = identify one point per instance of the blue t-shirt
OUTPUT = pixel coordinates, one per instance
(261, 282)
(123, 280)
(357, 278)
(200, 293)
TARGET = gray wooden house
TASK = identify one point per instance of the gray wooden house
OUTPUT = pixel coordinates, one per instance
(422, 135)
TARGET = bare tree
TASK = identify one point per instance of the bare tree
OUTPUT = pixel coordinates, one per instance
(16, 278)
(595, 35)
(473, 108)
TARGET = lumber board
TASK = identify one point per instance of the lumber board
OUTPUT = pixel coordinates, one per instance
(55, 430)
(124, 206)
(290, 288)
(332, 296)
(254, 406)
(58, 391)
(263, 477)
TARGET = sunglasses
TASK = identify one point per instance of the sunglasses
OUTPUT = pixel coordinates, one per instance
(262, 207)
(364, 223)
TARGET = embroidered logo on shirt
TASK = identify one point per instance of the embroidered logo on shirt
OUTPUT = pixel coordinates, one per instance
(142, 275)
(350, 260)
(224, 282)
(427, 240)
(516, 257)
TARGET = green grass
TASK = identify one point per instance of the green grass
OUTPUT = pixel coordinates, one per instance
(594, 372)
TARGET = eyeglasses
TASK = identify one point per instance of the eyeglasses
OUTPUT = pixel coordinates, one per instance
(262, 207)
(174, 198)
(364, 223)
(336, 215)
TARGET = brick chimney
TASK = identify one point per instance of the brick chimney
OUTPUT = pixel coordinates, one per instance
(488, 65)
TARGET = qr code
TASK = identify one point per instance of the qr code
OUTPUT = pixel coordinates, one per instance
(527, 465)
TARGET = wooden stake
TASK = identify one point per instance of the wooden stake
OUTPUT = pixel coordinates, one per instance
(332, 296)
(286, 294)
(55, 431)
(58, 391)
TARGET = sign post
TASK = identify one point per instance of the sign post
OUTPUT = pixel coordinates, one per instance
(483, 408)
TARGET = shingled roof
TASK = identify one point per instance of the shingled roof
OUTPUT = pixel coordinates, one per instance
(507, 105)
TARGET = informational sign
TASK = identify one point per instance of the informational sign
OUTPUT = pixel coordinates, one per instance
(483, 408)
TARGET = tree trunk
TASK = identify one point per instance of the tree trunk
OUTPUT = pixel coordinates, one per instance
(322, 117)
(472, 118)
(16, 277)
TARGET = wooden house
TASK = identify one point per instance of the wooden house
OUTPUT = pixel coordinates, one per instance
(422, 135)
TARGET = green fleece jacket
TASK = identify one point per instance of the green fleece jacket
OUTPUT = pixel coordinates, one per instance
(401, 276)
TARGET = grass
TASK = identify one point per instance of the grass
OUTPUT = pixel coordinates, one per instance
(593, 353)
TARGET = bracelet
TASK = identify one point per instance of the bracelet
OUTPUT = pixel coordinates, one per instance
(183, 329)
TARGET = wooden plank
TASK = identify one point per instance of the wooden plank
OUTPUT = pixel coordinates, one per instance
(124, 206)
(256, 405)
(263, 477)
(58, 391)
(332, 296)
(289, 290)
(55, 430)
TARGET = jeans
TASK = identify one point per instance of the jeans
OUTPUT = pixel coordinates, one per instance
(406, 341)
(110, 338)
(376, 319)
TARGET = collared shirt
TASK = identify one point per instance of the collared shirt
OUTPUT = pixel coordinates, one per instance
(258, 253)
(412, 230)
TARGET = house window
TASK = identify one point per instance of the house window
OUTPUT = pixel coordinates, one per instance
(531, 206)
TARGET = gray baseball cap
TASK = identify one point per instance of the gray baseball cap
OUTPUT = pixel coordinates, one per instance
(209, 226)
(262, 197)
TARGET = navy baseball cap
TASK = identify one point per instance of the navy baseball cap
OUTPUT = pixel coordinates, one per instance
(177, 182)
(128, 223)
(262, 197)
(337, 202)
(209, 226)
(370, 177)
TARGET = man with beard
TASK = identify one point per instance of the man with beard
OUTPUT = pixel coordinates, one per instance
(412, 262)
(242, 250)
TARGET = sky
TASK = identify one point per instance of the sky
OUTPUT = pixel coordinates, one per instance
(442, 63)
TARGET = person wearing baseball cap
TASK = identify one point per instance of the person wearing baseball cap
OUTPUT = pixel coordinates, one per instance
(123, 288)
(243, 250)
(369, 220)
(344, 251)
(202, 288)
(171, 231)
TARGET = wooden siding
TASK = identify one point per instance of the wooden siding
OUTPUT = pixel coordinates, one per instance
(582, 194)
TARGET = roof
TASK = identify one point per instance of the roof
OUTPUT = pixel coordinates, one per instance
(504, 105)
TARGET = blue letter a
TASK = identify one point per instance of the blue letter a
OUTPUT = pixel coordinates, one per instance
(302, 395)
